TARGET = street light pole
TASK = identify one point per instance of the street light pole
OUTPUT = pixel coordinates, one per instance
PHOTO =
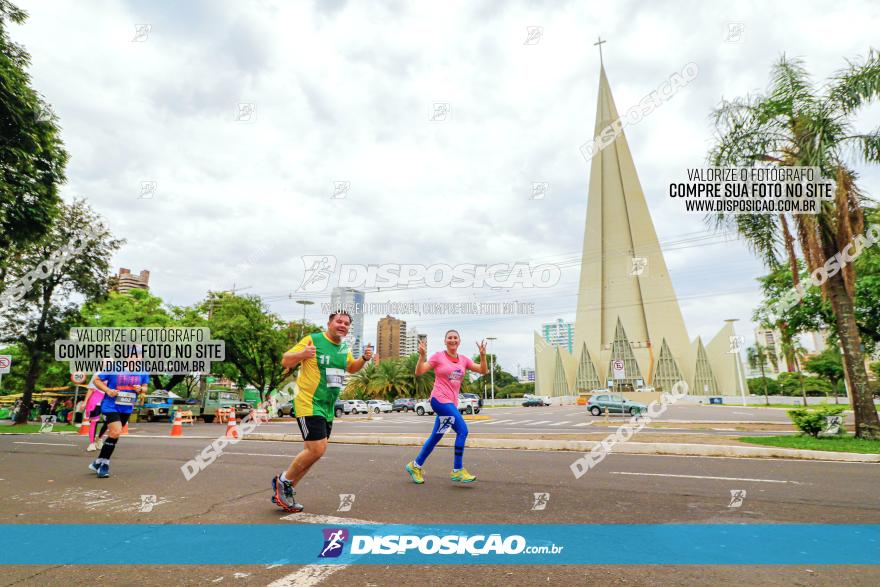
(492, 371)
(305, 304)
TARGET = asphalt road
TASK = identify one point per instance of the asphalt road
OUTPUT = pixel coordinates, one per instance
(44, 479)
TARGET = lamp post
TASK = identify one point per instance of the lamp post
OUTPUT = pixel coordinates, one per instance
(492, 371)
(305, 304)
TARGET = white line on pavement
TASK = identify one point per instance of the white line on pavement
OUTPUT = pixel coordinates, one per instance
(584, 424)
(310, 575)
(560, 423)
(498, 422)
(706, 477)
(46, 443)
(539, 422)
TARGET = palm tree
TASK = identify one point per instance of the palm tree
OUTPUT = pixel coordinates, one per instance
(797, 353)
(390, 379)
(358, 385)
(796, 125)
(758, 356)
(419, 385)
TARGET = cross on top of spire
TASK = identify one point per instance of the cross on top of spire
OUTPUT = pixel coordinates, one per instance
(599, 43)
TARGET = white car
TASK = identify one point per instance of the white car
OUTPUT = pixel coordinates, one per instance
(378, 405)
(465, 406)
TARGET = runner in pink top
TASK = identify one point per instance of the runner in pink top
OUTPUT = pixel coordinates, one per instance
(94, 397)
(450, 369)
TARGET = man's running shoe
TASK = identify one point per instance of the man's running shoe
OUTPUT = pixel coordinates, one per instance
(415, 473)
(91, 447)
(93, 466)
(103, 471)
(283, 495)
(99, 443)
(462, 476)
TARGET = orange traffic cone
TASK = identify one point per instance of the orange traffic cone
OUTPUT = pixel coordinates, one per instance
(83, 427)
(177, 427)
(125, 429)
(231, 428)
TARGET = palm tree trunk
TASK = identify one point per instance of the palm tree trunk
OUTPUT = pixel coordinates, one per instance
(764, 380)
(867, 423)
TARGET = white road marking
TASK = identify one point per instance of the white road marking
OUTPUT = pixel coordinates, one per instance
(522, 421)
(498, 421)
(310, 575)
(584, 424)
(706, 477)
(539, 422)
(560, 423)
(46, 443)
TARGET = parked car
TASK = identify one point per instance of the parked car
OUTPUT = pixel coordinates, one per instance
(285, 409)
(476, 397)
(378, 405)
(466, 405)
(404, 404)
(350, 406)
(616, 404)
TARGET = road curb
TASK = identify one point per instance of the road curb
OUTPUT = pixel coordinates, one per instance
(634, 448)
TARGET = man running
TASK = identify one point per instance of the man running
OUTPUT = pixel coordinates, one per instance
(325, 358)
(121, 390)
(450, 368)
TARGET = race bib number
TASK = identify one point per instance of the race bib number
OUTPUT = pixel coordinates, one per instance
(334, 377)
(126, 398)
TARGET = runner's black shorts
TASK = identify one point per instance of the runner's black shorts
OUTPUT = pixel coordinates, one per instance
(314, 427)
(96, 412)
(111, 417)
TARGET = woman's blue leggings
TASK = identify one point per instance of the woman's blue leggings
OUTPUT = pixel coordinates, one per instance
(448, 417)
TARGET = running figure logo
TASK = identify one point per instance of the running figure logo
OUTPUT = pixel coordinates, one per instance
(346, 500)
(541, 501)
(334, 540)
(737, 496)
(147, 503)
(47, 422)
(318, 269)
(445, 424)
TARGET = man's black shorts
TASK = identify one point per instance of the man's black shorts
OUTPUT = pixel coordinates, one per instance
(111, 417)
(314, 427)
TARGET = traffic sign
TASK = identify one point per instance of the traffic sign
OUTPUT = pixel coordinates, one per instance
(619, 370)
(5, 363)
(79, 378)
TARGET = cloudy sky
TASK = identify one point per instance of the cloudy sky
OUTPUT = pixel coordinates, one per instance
(345, 91)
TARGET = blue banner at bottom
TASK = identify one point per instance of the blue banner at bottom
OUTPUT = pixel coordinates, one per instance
(515, 544)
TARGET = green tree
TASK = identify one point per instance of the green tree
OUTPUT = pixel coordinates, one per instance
(136, 308)
(390, 380)
(420, 386)
(829, 365)
(255, 339)
(795, 125)
(763, 385)
(46, 312)
(758, 356)
(32, 155)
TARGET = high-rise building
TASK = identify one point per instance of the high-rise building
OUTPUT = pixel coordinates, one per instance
(771, 340)
(390, 338)
(352, 301)
(559, 333)
(411, 342)
(125, 281)
(628, 328)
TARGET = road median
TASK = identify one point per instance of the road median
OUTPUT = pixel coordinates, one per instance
(638, 448)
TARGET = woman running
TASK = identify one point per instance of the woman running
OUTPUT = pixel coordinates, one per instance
(94, 397)
(450, 369)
